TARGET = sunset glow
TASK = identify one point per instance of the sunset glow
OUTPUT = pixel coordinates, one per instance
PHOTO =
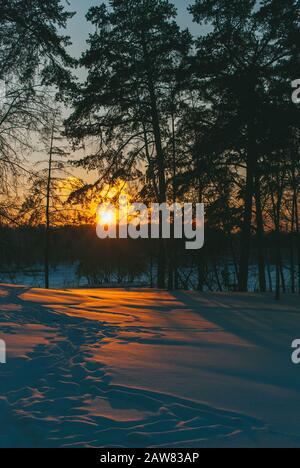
(107, 217)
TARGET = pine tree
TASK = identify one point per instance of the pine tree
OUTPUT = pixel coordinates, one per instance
(33, 56)
(132, 58)
(250, 46)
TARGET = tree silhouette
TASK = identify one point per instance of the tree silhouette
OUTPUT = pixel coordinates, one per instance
(246, 51)
(131, 60)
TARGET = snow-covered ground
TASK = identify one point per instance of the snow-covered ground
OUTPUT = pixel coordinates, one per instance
(62, 276)
(144, 368)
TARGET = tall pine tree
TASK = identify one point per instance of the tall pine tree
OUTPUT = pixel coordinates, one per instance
(249, 46)
(131, 60)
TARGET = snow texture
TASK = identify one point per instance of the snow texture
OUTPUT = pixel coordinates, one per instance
(146, 368)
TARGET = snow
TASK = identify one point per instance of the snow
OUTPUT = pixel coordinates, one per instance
(146, 368)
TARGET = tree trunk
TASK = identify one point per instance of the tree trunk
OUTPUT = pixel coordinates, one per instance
(200, 262)
(246, 228)
(295, 227)
(47, 227)
(292, 257)
(297, 234)
(270, 274)
(161, 267)
(282, 272)
(277, 212)
(260, 238)
(277, 295)
(200, 256)
(251, 163)
(173, 245)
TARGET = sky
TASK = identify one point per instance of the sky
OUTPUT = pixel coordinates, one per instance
(79, 28)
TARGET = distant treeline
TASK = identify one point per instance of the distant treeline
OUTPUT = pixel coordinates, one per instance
(128, 261)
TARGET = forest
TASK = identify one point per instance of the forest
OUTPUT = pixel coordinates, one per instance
(164, 115)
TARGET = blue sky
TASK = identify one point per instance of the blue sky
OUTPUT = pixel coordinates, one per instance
(79, 28)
